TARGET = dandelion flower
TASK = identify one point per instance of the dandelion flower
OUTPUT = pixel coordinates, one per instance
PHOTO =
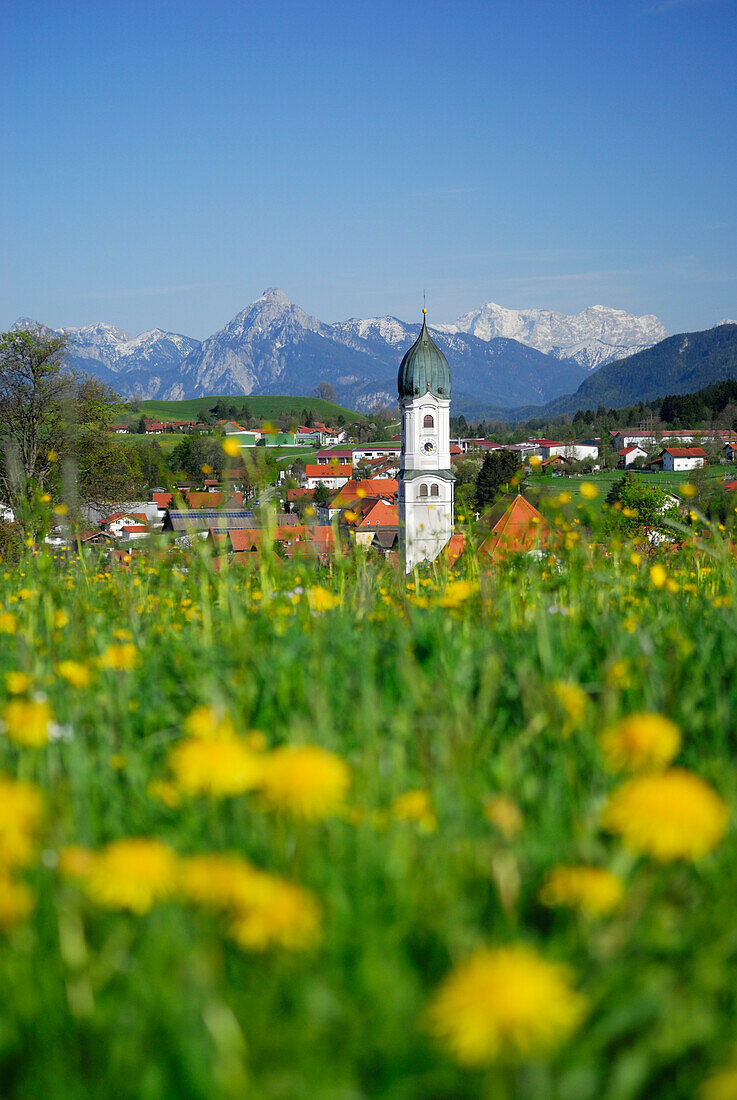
(276, 913)
(504, 1000)
(592, 890)
(415, 806)
(456, 593)
(504, 813)
(20, 818)
(208, 723)
(231, 448)
(221, 766)
(27, 722)
(17, 683)
(670, 815)
(320, 599)
(16, 901)
(658, 575)
(305, 781)
(164, 792)
(8, 622)
(120, 658)
(132, 874)
(76, 674)
(640, 742)
(572, 699)
(217, 880)
(588, 490)
(75, 861)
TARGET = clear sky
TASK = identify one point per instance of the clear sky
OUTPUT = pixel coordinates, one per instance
(163, 163)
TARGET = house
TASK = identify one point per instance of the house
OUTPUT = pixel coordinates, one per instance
(133, 531)
(154, 427)
(582, 450)
(331, 475)
(521, 529)
(119, 429)
(313, 437)
(628, 455)
(384, 488)
(547, 447)
(684, 458)
(554, 464)
(730, 450)
(373, 515)
(214, 499)
(368, 451)
(114, 523)
(342, 455)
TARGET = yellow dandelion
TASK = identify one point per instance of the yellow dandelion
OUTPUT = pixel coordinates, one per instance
(640, 742)
(272, 912)
(16, 901)
(20, 818)
(565, 498)
(504, 814)
(27, 722)
(17, 683)
(122, 657)
(592, 890)
(688, 490)
(320, 599)
(61, 619)
(305, 781)
(635, 559)
(415, 806)
(231, 448)
(669, 815)
(208, 723)
(132, 874)
(572, 700)
(75, 673)
(504, 1000)
(221, 766)
(588, 490)
(457, 592)
(8, 622)
(214, 879)
(658, 575)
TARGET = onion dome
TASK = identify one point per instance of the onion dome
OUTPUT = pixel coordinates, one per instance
(424, 368)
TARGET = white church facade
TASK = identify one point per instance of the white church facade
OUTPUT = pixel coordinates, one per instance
(426, 481)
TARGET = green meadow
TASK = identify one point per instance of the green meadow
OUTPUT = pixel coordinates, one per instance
(292, 831)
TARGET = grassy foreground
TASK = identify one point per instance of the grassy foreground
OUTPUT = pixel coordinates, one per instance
(393, 920)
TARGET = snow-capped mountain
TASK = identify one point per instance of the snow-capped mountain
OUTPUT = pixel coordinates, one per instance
(593, 337)
(498, 357)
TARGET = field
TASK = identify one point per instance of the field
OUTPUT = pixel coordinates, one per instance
(263, 408)
(391, 782)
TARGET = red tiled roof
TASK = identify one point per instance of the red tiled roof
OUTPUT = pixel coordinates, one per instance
(321, 469)
(162, 500)
(453, 549)
(686, 452)
(521, 528)
(114, 516)
(370, 487)
(380, 514)
(135, 528)
(626, 450)
(213, 500)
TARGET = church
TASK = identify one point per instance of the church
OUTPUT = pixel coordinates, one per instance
(425, 477)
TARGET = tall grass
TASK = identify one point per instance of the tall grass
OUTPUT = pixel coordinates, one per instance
(426, 686)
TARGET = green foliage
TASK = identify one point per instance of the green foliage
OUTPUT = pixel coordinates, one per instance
(417, 686)
(499, 470)
(638, 507)
(322, 495)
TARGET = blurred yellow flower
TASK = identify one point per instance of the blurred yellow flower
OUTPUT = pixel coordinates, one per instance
(565, 498)
(688, 490)
(208, 723)
(305, 781)
(504, 1001)
(75, 673)
(132, 874)
(415, 806)
(16, 900)
(8, 622)
(658, 575)
(121, 657)
(635, 559)
(75, 861)
(503, 812)
(588, 490)
(669, 815)
(320, 599)
(640, 742)
(164, 792)
(60, 509)
(221, 766)
(592, 890)
(535, 460)
(457, 592)
(27, 722)
(20, 818)
(61, 619)
(572, 699)
(17, 683)
(231, 448)
(721, 1085)
(276, 913)
(215, 879)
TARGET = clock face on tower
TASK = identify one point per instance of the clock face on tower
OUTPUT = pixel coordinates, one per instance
(429, 447)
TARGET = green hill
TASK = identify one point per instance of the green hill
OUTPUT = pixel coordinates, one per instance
(263, 408)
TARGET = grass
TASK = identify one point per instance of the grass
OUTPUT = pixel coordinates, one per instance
(263, 408)
(449, 690)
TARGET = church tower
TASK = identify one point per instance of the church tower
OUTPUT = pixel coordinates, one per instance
(425, 476)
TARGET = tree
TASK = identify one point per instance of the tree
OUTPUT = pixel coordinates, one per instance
(325, 391)
(637, 507)
(34, 389)
(500, 468)
(322, 495)
(141, 429)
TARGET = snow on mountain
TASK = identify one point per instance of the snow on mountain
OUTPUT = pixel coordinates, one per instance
(593, 337)
(499, 356)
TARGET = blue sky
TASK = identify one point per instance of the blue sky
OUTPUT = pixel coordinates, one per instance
(165, 162)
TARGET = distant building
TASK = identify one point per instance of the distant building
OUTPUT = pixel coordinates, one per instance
(628, 455)
(684, 458)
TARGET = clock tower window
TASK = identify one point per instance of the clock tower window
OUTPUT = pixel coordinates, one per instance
(428, 422)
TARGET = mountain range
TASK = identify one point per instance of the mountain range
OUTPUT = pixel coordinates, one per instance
(499, 356)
